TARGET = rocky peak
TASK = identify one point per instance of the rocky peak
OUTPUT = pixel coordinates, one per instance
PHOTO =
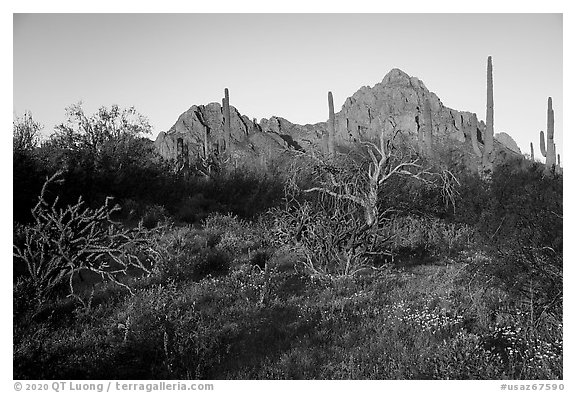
(399, 104)
(397, 77)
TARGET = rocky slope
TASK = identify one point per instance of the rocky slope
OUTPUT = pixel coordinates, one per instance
(399, 104)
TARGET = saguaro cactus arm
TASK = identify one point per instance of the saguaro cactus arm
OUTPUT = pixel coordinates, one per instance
(542, 144)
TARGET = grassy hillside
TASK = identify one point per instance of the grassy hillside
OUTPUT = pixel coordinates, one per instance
(292, 273)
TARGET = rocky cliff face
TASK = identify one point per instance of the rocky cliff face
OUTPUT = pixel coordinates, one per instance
(400, 105)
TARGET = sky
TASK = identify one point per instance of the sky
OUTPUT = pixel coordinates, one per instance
(284, 64)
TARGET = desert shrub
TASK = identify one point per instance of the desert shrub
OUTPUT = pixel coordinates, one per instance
(131, 209)
(245, 192)
(235, 236)
(431, 236)
(533, 277)
(521, 229)
(153, 216)
(329, 240)
(260, 257)
(104, 154)
(137, 329)
(189, 256)
(198, 331)
(464, 357)
(472, 199)
(62, 242)
(180, 246)
(525, 208)
(27, 179)
(196, 208)
(221, 223)
(24, 296)
(343, 226)
(283, 259)
(527, 353)
(212, 263)
(255, 324)
(27, 175)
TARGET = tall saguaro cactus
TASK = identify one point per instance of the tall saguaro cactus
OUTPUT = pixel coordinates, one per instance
(331, 124)
(551, 146)
(474, 136)
(548, 147)
(427, 135)
(489, 133)
(206, 147)
(531, 152)
(227, 130)
(185, 156)
(181, 154)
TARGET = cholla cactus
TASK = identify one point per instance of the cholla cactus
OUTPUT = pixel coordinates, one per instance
(62, 242)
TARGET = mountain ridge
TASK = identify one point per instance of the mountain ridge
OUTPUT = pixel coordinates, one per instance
(399, 102)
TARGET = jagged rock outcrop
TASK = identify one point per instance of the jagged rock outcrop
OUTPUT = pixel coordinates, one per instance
(400, 105)
(202, 127)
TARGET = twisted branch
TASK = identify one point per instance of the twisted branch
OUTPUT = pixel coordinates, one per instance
(62, 242)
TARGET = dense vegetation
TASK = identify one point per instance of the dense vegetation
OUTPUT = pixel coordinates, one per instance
(279, 274)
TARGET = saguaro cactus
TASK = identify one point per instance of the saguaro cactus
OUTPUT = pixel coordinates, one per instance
(331, 124)
(548, 148)
(489, 133)
(474, 136)
(256, 125)
(179, 152)
(226, 110)
(185, 156)
(429, 125)
(531, 152)
(206, 146)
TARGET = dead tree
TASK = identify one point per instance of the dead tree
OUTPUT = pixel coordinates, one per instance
(344, 227)
(385, 162)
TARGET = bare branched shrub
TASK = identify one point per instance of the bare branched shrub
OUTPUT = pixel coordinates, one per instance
(62, 242)
(332, 237)
(431, 234)
(344, 226)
